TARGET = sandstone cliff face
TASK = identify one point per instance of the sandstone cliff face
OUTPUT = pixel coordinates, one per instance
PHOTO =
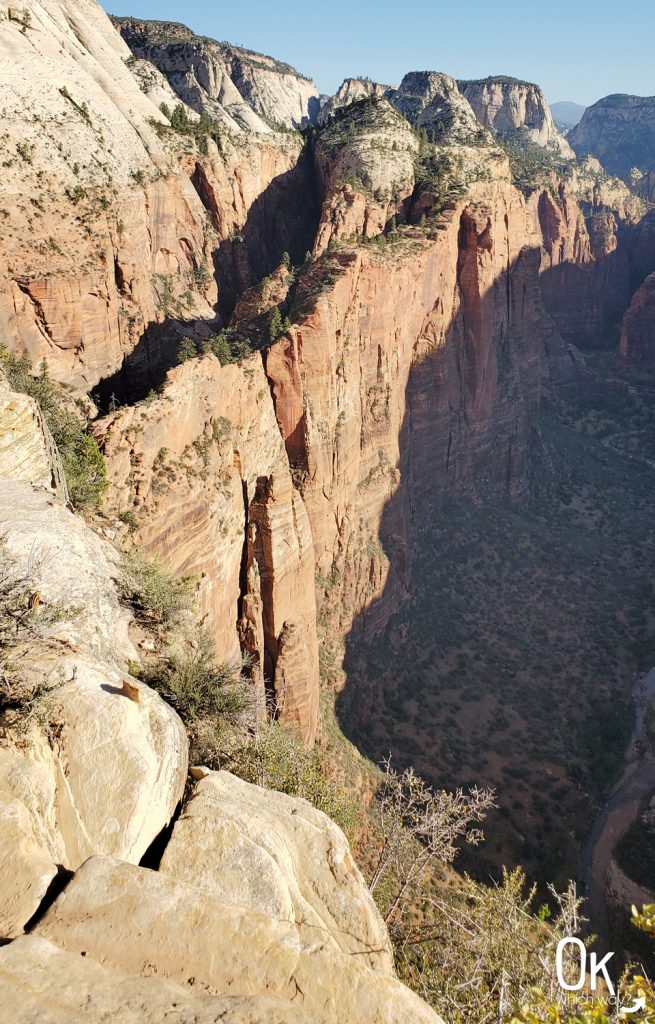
(507, 106)
(637, 344)
(204, 470)
(620, 131)
(410, 377)
(108, 250)
(432, 101)
(244, 91)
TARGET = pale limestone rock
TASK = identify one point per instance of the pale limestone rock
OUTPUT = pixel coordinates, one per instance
(30, 847)
(140, 922)
(350, 91)
(508, 106)
(113, 776)
(432, 100)
(41, 983)
(70, 567)
(242, 90)
(27, 451)
(365, 163)
(281, 856)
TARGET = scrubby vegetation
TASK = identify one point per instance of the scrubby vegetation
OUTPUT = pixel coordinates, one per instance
(199, 130)
(83, 462)
(24, 618)
(155, 595)
(533, 166)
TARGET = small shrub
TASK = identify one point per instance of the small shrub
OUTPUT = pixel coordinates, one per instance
(198, 687)
(277, 759)
(129, 518)
(155, 594)
(186, 350)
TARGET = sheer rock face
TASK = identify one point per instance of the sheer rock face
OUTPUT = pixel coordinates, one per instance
(507, 106)
(637, 345)
(242, 90)
(620, 131)
(205, 471)
(110, 777)
(143, 923)
(409, 378)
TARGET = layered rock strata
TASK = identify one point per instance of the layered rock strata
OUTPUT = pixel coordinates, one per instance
(204, 472)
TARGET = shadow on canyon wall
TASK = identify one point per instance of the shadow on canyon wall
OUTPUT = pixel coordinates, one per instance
(588, 301)
(501, 649)
(284, 218)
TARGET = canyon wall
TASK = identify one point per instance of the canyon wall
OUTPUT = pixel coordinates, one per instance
(203, 472)
(620, 131)
(415, 374)
(411, 367)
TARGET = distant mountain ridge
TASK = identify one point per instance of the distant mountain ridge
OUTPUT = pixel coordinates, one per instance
(620, 131)
(567, 114)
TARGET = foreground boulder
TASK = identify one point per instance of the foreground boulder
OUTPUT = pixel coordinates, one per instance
(40, 982)
(84, 767)
(142, 923)
(280, 856)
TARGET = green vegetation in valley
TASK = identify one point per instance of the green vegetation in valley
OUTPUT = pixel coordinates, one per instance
(527, 627)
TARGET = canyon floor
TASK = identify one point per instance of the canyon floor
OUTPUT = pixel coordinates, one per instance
(512, 663)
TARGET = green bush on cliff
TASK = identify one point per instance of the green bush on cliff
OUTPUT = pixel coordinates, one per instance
(198, 686)
(83, 462)
(155, 595)
(201, 130)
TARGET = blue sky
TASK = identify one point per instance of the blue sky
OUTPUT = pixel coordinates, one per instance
(576, 50)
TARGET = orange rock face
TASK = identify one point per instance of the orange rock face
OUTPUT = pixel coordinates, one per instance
(205, 471)
(414, 374)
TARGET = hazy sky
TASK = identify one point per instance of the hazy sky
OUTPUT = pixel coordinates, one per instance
(576, 50)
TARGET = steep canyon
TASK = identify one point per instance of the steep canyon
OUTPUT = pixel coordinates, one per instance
(351, 364)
